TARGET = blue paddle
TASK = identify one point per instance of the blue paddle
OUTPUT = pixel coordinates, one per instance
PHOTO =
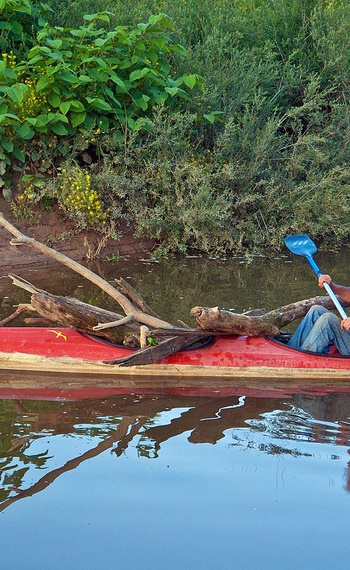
(303, 245)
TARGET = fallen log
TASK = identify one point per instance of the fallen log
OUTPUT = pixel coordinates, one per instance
(225, 321)
(267, 324)
(73, 313)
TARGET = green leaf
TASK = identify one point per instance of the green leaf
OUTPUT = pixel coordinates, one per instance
(54, 100)
(132, 124)
(160, 43)
(114, 102)
(84, 79)
(99, 103)
(64, 107)
(64, 149)
(33, 60)
(162, 20)
(76, 106)
(10, 73)
(7, 194)
(7, 145)
(56, 44)
(77, 33)
(125, 64)
(57, 117)
(56, 56)
(158, 96)
(116, 79)
(190, 80)
(164, 66)
(98, 75)
(16, 93)
(177, 48)
(172, 91)
(59, 129)
(42, 83)
(99, 42)
(103, 16)
(103, 123)
(213, 116)
(101, 62)
(176, 91)
(142, 102)
(67, 77)
(39, 121)
(17, 153)
(140, 45)
(139, 73)
(77, 119)
(24, 131)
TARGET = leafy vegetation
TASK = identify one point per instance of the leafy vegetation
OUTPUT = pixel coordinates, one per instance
(233, 162)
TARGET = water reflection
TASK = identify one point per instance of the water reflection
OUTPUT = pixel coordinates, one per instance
(42, 440)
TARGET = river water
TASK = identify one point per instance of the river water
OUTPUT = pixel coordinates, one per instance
(252, 479)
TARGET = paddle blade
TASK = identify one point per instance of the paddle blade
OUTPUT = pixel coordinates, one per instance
(300, 245)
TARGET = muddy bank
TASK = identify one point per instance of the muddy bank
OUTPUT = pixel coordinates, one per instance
(54, 229)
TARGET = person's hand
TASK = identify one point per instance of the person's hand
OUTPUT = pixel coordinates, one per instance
(345, 324)
(324, 279)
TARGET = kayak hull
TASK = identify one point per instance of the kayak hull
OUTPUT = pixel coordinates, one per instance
(60, 350)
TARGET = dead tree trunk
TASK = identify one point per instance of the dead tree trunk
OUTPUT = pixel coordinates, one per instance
(81, 316)
(267, 324)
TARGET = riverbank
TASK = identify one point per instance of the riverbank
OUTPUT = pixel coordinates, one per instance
(54, 229)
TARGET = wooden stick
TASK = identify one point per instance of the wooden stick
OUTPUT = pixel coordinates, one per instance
(135, 297)
(143, 336)
(20, 309)
(118, 323)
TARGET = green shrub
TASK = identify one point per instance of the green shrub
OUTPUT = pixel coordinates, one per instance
(75, 81)
(276, 162)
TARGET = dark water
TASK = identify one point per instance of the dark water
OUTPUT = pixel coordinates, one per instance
(255, 479)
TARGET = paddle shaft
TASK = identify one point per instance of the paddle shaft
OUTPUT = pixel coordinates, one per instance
(327, 287)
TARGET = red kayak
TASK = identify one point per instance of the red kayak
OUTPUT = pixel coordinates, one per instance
(68, 351)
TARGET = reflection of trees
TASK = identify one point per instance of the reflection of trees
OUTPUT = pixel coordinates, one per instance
(208, 420)
(12, 454)
(117, 421)
(123, 435)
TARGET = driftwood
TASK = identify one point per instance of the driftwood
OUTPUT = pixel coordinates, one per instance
(75, 314)
(267, 324)
(225, 321)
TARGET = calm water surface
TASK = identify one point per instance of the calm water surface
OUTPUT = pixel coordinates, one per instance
(252, 479)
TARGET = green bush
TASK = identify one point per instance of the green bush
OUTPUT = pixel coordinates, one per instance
(74, 82)
(277, 78)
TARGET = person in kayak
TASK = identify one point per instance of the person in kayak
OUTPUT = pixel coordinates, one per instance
(321, 328)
